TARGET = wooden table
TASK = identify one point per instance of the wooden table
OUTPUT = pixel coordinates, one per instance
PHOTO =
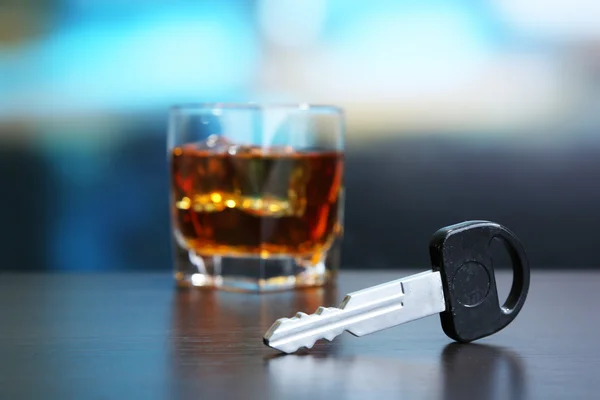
(135, 336)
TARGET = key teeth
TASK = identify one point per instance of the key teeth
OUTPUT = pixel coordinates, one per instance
(325, 310)
(291, 348)
(329, 338)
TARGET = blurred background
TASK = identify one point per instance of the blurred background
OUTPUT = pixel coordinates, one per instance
(455, 110)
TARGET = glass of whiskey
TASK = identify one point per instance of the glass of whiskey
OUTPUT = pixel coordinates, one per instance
(257, 195)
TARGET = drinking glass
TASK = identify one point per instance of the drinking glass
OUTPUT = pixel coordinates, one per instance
(257, 195)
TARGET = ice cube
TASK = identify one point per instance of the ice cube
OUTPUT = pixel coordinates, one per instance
(241, 149)
(219, 143)
(216, 143)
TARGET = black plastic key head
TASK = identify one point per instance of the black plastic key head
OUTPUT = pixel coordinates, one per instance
(462, 255)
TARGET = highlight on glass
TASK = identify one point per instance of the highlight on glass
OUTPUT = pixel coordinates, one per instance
(257, 195)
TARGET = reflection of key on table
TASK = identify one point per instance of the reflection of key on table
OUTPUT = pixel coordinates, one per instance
(494, 364)
(461, 287)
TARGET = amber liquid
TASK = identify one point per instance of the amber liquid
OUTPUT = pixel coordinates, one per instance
(259, 203)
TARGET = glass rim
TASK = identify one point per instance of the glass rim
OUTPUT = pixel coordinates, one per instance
(233, 106)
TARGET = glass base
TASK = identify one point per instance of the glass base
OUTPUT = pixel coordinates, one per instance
(252, 274)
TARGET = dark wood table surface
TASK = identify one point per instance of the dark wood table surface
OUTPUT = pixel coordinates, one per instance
(135, 336)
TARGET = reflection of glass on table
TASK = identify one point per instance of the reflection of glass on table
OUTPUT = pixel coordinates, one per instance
(256, 194)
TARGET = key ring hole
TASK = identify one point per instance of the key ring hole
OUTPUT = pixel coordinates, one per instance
(501, 261)
(505, 257)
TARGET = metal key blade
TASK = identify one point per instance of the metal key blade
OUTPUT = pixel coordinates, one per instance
(362, 312)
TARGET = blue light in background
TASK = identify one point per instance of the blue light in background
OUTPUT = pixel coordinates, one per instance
(345, 15)
(147, 59)
(395, 49)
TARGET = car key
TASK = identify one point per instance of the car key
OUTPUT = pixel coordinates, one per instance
(460, 287)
